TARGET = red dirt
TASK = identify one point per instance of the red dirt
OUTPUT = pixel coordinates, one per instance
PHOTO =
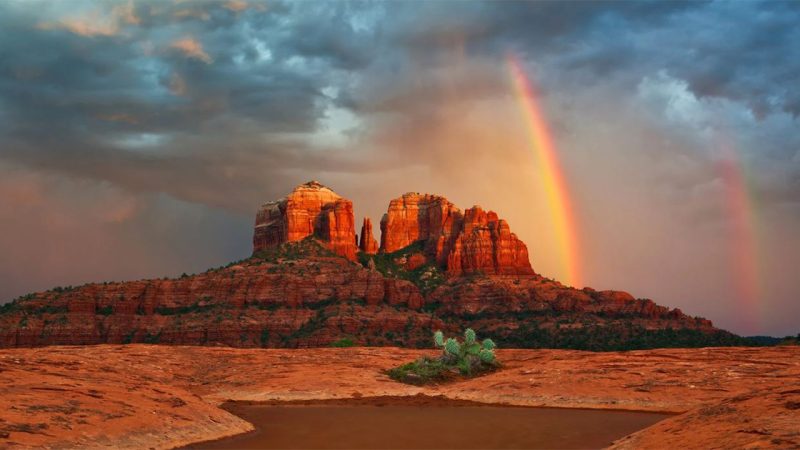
(157, 396)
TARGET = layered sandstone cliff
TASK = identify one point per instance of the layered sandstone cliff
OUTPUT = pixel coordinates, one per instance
(475, 241)
(486, 244)
(310, 210)
(299, 295)
(426, 218)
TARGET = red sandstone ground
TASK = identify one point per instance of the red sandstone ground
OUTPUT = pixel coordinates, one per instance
(144, 396)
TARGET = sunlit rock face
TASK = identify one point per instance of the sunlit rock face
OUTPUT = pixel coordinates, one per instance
(469, 242)
(426, 218)
(486, 244)
(368, 243)
(310, 210)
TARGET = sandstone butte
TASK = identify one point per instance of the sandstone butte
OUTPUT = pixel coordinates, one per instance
(151, 396)
(308, 284)
(311, 210)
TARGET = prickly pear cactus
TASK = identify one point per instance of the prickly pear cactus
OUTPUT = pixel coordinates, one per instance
(488, 344)
(438, 339)
(452, 347)
(486, 356)
(469, 336)
(472, 349)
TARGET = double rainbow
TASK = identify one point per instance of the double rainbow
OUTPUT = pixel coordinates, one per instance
(744, 268)
(550, 173)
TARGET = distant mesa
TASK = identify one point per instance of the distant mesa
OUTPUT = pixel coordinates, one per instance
(459, 242)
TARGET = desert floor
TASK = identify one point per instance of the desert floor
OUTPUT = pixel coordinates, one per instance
(149, 396)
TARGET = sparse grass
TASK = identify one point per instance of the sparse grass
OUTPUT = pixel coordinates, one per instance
(195, 307)
(423, 371)
(292, 251)
(426, 277)
(264, 338)
(152, 338)
(128, 338)
(343, 342)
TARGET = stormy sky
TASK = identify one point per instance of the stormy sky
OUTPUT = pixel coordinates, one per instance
(137, 139)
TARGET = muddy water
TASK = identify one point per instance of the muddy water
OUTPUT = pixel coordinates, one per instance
(434, 424)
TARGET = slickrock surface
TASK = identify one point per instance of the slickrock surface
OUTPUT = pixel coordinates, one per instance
(310, 210)
(142, 396)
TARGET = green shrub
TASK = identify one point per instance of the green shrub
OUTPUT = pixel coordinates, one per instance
(344, 342)
(466, 359)
(422, 371)
(264, 337)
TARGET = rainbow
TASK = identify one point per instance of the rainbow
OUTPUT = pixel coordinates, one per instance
(551, 175)
(744, 267)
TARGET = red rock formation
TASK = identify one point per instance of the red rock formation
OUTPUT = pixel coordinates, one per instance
(298, 295)
(486, 244)
(252, 303)
(310, 210)
(368, 243)
(414, 261)
(417, 217)
(476, 241)
(313, 300)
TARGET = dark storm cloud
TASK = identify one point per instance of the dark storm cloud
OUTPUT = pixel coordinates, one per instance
(163, 70)
(746, 51)
(178, 94)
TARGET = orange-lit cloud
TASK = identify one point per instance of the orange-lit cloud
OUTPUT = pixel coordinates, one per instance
(192, 48)
(236, 5)
(96, 22)
(88, 26)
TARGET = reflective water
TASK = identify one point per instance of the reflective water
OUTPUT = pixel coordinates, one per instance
(412, 426)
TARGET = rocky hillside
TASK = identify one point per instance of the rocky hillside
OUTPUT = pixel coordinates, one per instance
(308, 283)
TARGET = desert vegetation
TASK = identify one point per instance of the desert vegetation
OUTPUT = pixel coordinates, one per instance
(426, 277)
(459, 359)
